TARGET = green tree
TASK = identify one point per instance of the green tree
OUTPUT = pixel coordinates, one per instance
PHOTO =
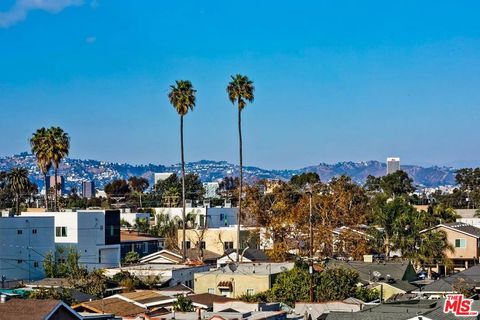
(18, 184)
(132, 257)
(386, 215)
(432, 248)
(182, 98)
(58, 147)
(292, 286)
(336, 284)
(165, 228)
(118, 187)
(240, 91)
(138, 186)
(305, 178)
(183, 304)
(52, 293)
(40, 144)
(397, 184)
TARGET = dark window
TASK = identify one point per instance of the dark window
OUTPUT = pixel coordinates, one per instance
(221, 216)
(203, 245)
(19, 231)
(35, 264)
(187, 244)
(228, 245)
(34, 231)
(61, 231)
(19, 261)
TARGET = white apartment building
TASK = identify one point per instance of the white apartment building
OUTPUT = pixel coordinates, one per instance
(24, 243)
(131, 217)
(204, 216)
(94, 233)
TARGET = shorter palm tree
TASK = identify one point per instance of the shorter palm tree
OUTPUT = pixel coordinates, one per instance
(58, 143)
(39, 145)
(18, 184)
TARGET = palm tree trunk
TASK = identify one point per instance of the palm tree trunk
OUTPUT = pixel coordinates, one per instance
(184, 244)
(46, 191)
(240, 182)
(17, 200)
(55, 189)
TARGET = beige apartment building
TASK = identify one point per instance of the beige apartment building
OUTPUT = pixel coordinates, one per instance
(465, 240)
(235, 280)
(219, 240)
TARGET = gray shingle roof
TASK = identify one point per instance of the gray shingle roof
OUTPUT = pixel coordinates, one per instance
(391, 311)
(470, 276)
(396, 270)
(463, 227)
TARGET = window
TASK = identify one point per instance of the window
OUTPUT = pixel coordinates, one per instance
(145, 247)
(221, 216)
(250, 292)
(99, 256)
(19, 231)
(187, 244)
(460, 243)
(19, 261)
(34, 231)
(203, 245)
(228, 245)
(211, 290)
(35, 264)
(61, 231)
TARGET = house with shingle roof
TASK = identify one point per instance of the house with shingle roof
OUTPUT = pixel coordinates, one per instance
(389, 278)
(33, 309)
(465, 240)
(467, 279)
(116, 306)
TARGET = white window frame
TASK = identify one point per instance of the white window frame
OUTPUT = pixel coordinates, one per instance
(460, 243)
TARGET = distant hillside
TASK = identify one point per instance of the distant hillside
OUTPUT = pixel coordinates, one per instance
(101, 172)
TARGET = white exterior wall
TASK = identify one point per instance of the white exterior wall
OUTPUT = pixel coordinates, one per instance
(217, 217)
(24, 243)
(131, 217)
(85, 232)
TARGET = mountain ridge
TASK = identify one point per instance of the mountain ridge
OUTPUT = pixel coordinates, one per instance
(102, 172)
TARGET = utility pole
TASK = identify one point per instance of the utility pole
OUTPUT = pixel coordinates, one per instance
(311, 249)
(310, 193)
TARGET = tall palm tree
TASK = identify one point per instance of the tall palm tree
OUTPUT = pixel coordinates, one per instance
(182, 98)
(240, 90)
(18, 183)
(58, 148)
(39, 145)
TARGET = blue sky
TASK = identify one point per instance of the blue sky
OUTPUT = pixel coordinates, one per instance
(335, 80)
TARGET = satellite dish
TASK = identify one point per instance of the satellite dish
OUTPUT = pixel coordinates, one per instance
(232, 266)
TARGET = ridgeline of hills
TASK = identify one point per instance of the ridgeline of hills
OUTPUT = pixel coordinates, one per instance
(75, 171)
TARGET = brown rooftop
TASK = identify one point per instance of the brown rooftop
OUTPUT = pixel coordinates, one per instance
(114, 306)
(29, 309)
(128, 236)
(144, 297)
(207, 299)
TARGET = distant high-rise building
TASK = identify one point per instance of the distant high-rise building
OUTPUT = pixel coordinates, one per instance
(88, 189)
(51, 183)
(393, 165)
(161, 176)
